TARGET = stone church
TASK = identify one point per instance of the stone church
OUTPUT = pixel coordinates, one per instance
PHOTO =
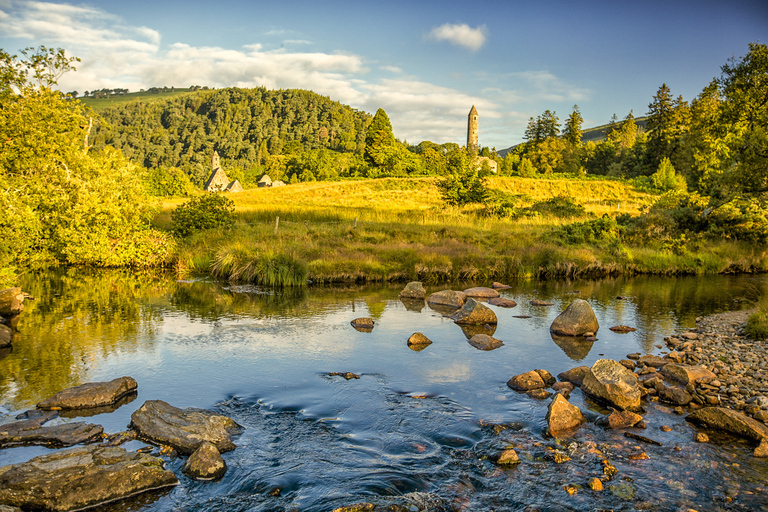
(473, 133)
(219, 182)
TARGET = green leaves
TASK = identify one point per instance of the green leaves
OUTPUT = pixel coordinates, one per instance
(463, 184)
(203, 212)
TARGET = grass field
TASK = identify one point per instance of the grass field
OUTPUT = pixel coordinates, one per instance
(400, 230)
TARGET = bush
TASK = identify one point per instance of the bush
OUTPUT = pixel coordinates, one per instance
(167, 182)
(204, 212)
(757, 326)
(560, 206)
(463, 185)
(592, 232)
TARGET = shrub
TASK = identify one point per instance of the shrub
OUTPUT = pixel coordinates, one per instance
(559, 206)
(757, 326)
(463, 185)
(203, 212)
(593, 231)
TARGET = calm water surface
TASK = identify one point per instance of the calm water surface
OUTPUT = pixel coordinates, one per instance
(415, 422)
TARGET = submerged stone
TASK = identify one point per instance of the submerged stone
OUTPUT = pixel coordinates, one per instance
(485, 342)
(730, 421)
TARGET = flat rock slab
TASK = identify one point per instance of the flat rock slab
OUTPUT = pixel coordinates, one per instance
(450, 298)
(485, 342)
(183, 429)
(30, 432)
(93, 394)
(81, 477)
(481, 292)
(731, 421)
(502, 302)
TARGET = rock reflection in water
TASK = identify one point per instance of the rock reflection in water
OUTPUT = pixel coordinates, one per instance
(575, 347)
(415, 305)
(471, 330)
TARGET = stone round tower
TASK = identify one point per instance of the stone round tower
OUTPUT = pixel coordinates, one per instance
(472, 131)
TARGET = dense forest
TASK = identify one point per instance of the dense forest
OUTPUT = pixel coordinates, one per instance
(253, 130)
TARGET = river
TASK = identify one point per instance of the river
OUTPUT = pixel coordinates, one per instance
(417, 425)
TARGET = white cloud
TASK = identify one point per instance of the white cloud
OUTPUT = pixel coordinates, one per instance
(460, 35)
(115, 54)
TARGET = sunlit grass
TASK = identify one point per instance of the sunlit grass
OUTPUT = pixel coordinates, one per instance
(399, 229)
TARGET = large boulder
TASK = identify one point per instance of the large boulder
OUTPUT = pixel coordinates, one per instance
(687, 374)
(205, 463)
(81, 477)
(183, 429)
(448, 298)
(12, 301)
(562, 416)
(413, 290)
(731, 421)
(577, 320)
(481, 292)
(485, 342)
(93, 394)
(31, 432)
(474, 313)
(610, 382)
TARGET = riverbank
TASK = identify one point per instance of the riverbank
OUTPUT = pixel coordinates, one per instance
(720, 344)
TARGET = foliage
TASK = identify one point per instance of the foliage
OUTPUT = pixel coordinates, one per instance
(595, 231)
(62, 201)
(168, 182)
(757, 326)
(464, 184)
(560, 206)
(572, 130)
(207, 211)
(249, 128)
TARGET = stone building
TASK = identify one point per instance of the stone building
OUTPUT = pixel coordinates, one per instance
(473, 131)
(473, 135)
(218, 181)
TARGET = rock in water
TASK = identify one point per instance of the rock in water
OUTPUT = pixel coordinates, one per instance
(81, 477)
(93, 394)
(502, 302)
(481, 292)
(527, 381)
(485, 342)
(205, 463)
(562, 416)
(449, 298)
(419, 340)
(413, 290)
(576, 320)
(623, 419)
(29, 432)
(183, 429)
(610, 382)
(475, 313)
(6, 335)
(363, 324)
(731, 421)
(574, 375)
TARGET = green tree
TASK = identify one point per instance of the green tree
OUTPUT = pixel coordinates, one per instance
(572, 130)
(61, 200)
(463, 184)
(379, 139)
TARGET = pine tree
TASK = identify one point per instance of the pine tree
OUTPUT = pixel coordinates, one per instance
(572, 131)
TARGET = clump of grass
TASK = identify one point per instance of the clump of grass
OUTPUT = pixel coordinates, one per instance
(757, 326)
(239, 263)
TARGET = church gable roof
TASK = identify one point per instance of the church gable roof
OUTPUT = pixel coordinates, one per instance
(217, 181)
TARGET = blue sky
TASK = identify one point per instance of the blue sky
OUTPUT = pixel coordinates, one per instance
(424, 62)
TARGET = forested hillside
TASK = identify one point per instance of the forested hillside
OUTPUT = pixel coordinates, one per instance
(247, 127)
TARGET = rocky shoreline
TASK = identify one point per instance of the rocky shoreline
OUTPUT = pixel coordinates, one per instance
(719, 344)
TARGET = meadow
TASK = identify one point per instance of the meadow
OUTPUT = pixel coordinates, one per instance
(399, 229)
